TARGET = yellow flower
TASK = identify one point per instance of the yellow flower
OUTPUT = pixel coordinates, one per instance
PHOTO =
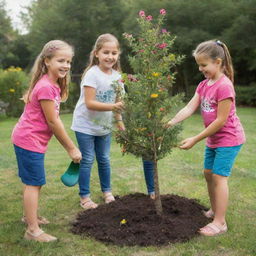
(154, 95)
(172, 57)
(123, 221)
(13, 69)
(155, 74)
(12, 90)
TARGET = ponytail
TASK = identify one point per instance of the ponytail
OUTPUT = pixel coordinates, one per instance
(215, 49)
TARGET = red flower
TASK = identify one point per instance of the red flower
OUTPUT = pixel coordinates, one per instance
(162, 109)
(162, 46)
(163, 11)
(142, 13)
(149, 18)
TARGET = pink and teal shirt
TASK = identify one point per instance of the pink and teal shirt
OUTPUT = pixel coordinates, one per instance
(232, 133)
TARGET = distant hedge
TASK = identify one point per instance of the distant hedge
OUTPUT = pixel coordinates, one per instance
(246, 95)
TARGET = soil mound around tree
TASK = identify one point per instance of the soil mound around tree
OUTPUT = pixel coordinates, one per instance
(132, 220)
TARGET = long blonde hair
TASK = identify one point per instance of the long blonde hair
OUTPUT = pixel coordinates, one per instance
(101, 40)
(215, 49)
(39, 68)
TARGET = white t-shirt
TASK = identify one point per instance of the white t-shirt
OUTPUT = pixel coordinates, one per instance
(97, 123)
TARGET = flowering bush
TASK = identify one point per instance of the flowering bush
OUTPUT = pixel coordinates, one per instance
(13, 82)
(148, 101)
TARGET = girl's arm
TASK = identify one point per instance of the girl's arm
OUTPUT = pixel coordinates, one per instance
(186, 112)
(119, 122)
(223, 111)
(59, 131)
(118, 116)
(92, 104)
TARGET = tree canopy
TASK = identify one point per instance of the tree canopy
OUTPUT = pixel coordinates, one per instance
(80, 22)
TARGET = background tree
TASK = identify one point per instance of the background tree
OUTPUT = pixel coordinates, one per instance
(148, 101)
(14, 50)
(194, 21)
(78, 22)
(81, 21)
(6, 35)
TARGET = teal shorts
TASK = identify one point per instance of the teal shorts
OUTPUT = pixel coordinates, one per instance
(220, 160)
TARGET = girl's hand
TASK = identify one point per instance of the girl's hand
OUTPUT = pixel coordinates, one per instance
(188, 143)
(169, 124)
(120, 125)
(118, 106)
(75, 155)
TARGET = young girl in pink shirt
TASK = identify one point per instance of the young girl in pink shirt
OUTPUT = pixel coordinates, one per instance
(39, 121)
(223, 130)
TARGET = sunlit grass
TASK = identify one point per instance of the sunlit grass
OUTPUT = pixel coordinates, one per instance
(180, 173)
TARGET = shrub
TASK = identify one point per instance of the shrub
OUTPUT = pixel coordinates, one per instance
(246, 95)
(13, 82)
(73, 97)
(148, 103)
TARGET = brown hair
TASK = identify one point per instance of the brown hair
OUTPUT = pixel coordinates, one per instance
(39, 68)
(215, 49)
(93, 60)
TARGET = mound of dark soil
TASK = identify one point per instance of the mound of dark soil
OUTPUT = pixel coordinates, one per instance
(132, 220)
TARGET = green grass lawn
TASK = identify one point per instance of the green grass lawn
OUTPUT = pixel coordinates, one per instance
(180, 173)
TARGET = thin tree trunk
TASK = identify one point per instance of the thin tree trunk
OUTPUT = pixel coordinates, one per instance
(158, 202)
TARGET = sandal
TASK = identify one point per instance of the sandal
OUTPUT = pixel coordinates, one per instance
(40, 236)
(152, 196)
(88, 204)
(208, 214)
(213, 230)
(108, 197)
(41, 220)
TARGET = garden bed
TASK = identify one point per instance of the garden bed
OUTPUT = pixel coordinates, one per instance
(132, 220)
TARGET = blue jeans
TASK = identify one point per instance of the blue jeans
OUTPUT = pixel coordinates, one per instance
(90, 145)
(148, 167)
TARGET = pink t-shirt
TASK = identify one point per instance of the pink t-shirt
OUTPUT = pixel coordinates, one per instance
(32, 131)
(232, 133)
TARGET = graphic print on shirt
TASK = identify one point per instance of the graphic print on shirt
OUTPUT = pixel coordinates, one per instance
(105, 96)
(206, 105)
(57, 104)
